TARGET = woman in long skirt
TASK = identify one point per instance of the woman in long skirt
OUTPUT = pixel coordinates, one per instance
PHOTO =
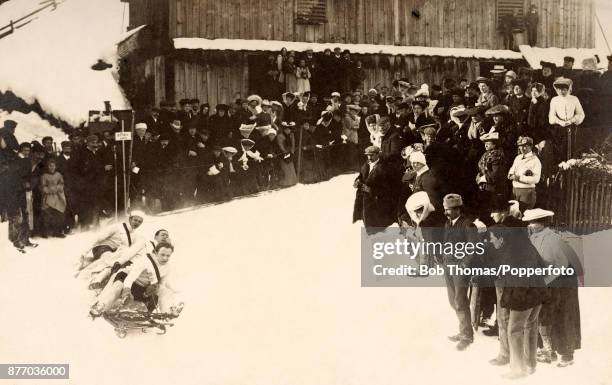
(286, 145)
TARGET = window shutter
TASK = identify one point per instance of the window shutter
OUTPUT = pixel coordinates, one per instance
(311, 12)
(506, 7)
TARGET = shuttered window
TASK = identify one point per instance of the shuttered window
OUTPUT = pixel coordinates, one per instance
(507, 7)
(311, 12)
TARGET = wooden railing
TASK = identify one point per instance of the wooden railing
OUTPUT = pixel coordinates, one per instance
(582, 200)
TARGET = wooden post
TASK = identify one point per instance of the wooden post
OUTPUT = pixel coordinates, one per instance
(299, 161)
(116, 182)
(130, 162)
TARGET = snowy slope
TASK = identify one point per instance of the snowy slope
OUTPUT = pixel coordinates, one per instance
(273, 296)
(49, 60)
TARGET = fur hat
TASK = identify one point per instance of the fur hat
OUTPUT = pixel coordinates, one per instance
(372, 150)
(417, 157)
(452, 201)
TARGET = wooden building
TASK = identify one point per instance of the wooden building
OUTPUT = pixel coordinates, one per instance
(220, 75)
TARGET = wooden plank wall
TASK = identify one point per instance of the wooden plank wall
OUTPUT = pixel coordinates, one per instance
(442, 23)
(216, 82)
(566, 23)
(155, 67)
(212, 83)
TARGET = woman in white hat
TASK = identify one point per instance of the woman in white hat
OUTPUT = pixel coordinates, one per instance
(560, 317)
(565, 114)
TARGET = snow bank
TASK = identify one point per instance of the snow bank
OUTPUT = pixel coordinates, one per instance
(32, 127)
(534, 55)
(276, 45)
(49, 59)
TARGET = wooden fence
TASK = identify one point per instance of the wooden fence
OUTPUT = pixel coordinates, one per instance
(581, 200)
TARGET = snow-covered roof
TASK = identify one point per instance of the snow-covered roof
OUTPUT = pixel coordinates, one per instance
(50, 59)
(534, 55)
(32, 127)
(276, 45)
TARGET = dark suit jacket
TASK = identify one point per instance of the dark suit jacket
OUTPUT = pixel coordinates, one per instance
(376, 208)
(462, 231)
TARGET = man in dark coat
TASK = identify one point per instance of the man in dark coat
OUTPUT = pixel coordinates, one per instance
(91, 173)
(8, 133)
(19, 178)
(67, 166)
(459, 228)
(373, 203)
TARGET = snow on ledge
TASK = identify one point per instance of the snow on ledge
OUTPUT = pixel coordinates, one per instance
(534, 55)
(276, 45)
(49, 60)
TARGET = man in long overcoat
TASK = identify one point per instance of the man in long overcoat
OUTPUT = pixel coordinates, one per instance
(373, 203)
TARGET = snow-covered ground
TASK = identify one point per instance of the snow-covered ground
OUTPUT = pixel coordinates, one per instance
(273, 296)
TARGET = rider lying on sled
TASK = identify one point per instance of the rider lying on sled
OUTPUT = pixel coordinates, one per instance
(145, 280)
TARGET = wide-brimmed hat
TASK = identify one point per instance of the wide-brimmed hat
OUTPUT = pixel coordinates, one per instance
(497, 110)
(524, 140)
(246, 129)
(498, 69)
(276, 103)
(263, 129)
(265, 102)
(229, 150)
(563, 82)
(429, 129)
(511, 74)
(247, 142)
(534, 214)
(490, 136)
(547, 64)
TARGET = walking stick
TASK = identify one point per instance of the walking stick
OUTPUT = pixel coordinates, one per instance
(299, 161)
(116, 184)
(123, 159)
(569, 142)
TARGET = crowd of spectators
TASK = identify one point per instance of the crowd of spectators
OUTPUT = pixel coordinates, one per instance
(191, 154)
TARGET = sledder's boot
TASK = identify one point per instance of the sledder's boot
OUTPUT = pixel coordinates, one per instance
(176, 310)
(96, 310)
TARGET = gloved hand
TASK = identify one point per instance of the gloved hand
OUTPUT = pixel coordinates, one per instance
(116, 267)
